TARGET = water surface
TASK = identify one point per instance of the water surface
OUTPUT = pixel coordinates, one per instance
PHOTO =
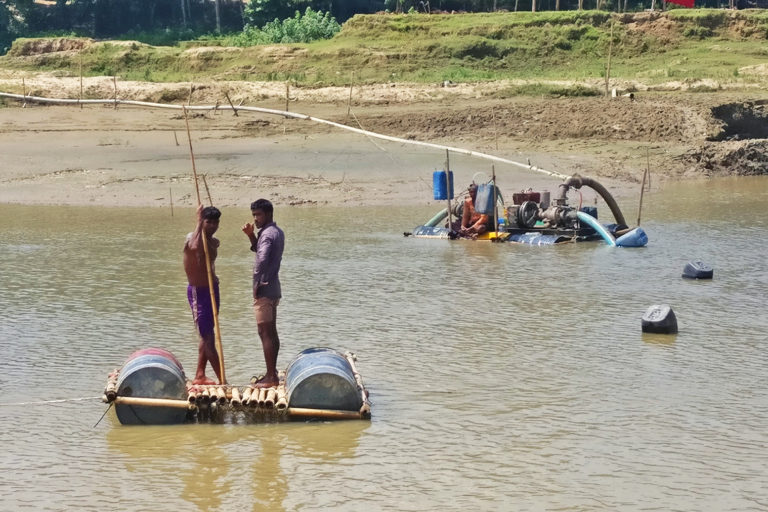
(502, 377)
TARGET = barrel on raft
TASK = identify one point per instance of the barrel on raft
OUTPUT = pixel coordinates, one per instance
(322, 378)
(151, 373)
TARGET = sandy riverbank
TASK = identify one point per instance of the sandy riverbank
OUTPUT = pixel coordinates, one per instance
(137, 157)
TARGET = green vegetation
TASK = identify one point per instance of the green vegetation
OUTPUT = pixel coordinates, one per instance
(311, 26)
(536, 47)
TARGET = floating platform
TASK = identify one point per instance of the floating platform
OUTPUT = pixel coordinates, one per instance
(320, 383)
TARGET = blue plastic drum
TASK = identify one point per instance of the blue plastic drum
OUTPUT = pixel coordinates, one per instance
(442, 188)
(322, 378)
(151, 373)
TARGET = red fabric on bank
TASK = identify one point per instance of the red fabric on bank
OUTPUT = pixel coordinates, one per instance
(686, 3)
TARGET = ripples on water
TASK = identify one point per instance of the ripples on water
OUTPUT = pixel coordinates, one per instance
(503, 377)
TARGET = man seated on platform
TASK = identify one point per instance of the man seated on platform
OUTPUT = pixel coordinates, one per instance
(199, 291)
(472, 223)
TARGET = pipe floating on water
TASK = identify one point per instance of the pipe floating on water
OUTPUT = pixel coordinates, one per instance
(594, 224)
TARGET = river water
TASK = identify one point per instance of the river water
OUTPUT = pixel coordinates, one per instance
(502, 377)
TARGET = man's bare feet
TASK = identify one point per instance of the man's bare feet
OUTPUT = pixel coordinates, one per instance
(267, 383)
(204, 381)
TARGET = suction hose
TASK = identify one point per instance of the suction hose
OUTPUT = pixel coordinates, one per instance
(577, 182)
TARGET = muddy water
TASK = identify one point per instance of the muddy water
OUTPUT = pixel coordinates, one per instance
(502, 377)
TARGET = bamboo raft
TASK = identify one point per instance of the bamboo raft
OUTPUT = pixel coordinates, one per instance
(216, 403)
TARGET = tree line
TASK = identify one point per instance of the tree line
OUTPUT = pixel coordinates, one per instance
(172, 20)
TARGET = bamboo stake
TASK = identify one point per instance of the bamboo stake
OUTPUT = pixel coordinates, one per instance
(153, 402)
(222, 395)
(191, 88)
(495, 199)
(295, 115)
(234, 109)
(323, 413)
(608, 67)
(24, 92)
(448, 188)
(80, 98)
(206, 396)
(365, 409)
(114, 81)
(170, 198)
(287, 94)
(214, 307)
(640, 205)
(349, 104)
(175, 138)
(192, 395)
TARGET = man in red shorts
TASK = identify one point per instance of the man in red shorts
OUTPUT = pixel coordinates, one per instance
(198, 291)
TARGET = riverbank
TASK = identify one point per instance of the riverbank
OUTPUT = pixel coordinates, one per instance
(129, 156)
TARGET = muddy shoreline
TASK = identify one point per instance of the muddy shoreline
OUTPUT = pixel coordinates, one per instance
(99, 155)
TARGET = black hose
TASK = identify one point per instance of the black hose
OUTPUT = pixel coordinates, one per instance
(577, 182)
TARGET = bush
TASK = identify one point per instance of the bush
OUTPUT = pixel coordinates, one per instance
(312, 26)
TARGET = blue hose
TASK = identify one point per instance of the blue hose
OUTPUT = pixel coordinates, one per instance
(592, 222)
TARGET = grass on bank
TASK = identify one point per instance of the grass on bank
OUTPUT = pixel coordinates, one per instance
(565, 45)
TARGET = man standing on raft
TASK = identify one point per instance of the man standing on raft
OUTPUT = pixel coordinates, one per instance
(268, 245)
(198, 291)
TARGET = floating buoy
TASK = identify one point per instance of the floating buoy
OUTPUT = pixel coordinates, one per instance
(697, 270)
(660, 319)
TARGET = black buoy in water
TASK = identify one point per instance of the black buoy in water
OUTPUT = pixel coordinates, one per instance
(660, 319)
(697, 270)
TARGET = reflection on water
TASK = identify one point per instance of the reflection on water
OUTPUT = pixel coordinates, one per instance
(502, 377)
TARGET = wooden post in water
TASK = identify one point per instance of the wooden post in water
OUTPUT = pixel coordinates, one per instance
(608, 66)
(214, 306)
(448, 188)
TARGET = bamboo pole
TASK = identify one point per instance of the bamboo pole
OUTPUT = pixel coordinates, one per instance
(114, 82)
(207, 190)
(222, 395)
(206, 396)
(642, 190)
(246, 399)
(236, 396)
(192, 395)
(191, 88)
(448, 188)
(295, 115)
(495, 199)
(282, 401)
(269, 400)
(323, 413)
(24, 92)
(214, 306)
(110, 391)
(365, 409)
(262, 397)
(349, 104)
(153, 402)
(170, 198)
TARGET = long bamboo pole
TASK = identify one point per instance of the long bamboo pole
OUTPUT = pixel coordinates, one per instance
(323, 413)
(214, 306)
(295, 115)
(154, 402)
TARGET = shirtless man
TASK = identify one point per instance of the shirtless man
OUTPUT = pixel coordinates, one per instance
(472, 223)
(198, 292)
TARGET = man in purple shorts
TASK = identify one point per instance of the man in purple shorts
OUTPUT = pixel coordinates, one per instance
(268, 245)
(198, 291)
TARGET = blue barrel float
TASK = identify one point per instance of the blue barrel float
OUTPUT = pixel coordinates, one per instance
(322, 378)
(151, 373)
(442, 188)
